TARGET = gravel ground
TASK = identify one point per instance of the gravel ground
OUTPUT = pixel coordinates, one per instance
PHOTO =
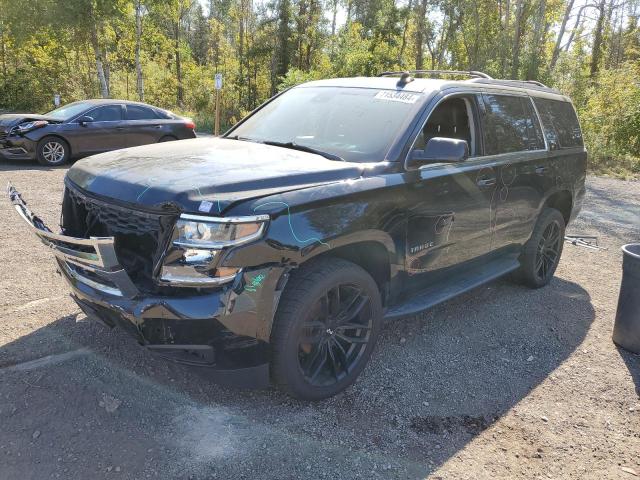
(503, 382)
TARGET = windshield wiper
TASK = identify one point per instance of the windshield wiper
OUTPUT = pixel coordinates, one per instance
(303, 148)
(244, 139)
(291, 145)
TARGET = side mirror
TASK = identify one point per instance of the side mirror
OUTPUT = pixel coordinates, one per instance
(440, 150)
(83, 120)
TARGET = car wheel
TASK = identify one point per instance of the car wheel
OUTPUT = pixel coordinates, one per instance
(541, 254)
(326, 327)
(52, 151)
(167, 138)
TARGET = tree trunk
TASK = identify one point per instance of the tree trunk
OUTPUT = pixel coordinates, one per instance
(420, 25)
(180, 90)
(505, 38)
(333, 19)
(241, 52)
(403, 45)
(575, 28)
(563, 27)
(97, 53)
(139, 79)
(3, 55)
(596, 50)
(538, 41)
(515, 62)
(283, 52)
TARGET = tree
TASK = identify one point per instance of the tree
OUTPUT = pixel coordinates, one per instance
(139, 78)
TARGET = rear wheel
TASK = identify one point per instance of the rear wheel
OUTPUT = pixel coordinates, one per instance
(541, 254)
(52, 151)
(326, 327)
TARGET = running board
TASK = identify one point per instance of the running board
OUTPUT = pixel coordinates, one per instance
(455, 285)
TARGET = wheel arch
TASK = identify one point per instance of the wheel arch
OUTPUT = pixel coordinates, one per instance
(561, 200)
(61, 137)
(376, 257)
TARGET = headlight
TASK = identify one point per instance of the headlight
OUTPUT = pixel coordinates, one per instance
(28, 126)
(197, 244)
(195, 231)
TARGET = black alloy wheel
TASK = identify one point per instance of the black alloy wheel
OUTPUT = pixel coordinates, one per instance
(334, 335)
(541, 254)
(548, 251)
(325, 329)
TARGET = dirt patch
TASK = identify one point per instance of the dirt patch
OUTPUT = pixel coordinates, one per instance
(502, 382)
(438, 425)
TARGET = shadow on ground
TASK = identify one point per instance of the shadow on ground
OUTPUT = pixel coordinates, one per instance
(633, 364)
(15, 165)
(433, 385)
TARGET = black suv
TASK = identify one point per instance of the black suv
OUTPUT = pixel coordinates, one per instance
(276, 252)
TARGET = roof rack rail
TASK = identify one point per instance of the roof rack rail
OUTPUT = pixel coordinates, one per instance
(515, 83)
(469, 73)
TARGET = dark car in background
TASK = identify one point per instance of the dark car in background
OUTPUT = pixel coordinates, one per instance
(86, 128)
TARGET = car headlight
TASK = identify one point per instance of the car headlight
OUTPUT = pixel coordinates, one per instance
(197, 244)
(29, 126)
(195, 231)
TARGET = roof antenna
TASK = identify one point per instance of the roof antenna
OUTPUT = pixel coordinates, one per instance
(404, 79)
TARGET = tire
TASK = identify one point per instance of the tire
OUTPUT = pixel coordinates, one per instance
(541, 254)
(167, 138)
(53, 151)
(318, 306)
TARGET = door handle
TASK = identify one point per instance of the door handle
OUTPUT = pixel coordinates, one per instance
(486, 182)
(541, 170)
(119, 128)
(157, 126)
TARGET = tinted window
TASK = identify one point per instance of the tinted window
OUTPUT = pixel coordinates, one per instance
(560, 123)
(509, 125)
(357, 124)
(164, 114)
(450, 119)
(68, 111)
(109, 113)
(135, 112)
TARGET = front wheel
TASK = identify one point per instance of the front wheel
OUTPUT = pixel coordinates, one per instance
(541, 254)
(52, 151)
(325, 329)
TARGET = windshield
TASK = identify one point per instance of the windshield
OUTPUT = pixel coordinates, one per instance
(68, 111)
(356, 124)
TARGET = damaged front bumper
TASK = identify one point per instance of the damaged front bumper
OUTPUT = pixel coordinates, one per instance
(222, 332)
(17, 148)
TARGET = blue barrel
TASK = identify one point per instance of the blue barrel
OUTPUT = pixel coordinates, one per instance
(626, 332)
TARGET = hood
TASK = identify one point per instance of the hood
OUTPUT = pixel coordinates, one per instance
(204, 175)
(12, 119)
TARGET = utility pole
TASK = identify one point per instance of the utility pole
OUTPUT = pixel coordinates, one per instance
(218, 79)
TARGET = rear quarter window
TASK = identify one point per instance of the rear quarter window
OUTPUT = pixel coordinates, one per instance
(509, 125)
(136, 112)
(559, 122)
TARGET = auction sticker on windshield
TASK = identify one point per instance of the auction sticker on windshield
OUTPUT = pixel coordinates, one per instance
(397, 97)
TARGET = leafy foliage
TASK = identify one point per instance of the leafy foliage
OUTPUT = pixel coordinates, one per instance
(166, 52)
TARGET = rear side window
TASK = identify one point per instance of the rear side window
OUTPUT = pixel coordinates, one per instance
(136, 112)
(560, 123)
(510, 125)
(109, 113)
